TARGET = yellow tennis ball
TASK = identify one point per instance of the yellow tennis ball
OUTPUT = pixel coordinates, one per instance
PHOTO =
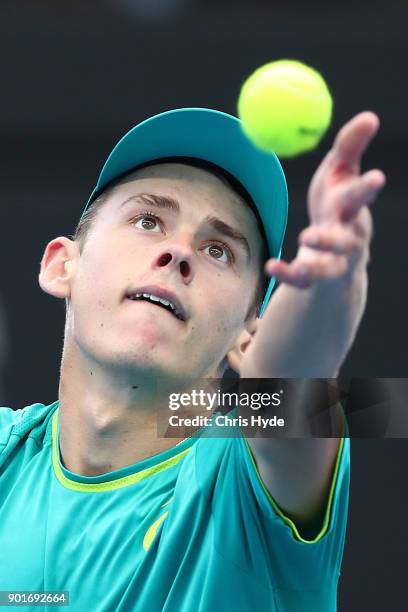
(285, 107)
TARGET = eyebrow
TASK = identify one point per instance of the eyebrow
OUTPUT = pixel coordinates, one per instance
(155, 200)
(161, 201)
(227, 230)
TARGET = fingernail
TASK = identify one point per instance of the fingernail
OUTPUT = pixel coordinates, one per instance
(312, 241)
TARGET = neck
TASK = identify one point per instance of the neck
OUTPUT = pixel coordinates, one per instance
(109, 416)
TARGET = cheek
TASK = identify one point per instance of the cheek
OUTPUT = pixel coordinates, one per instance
(219, 317)
(91, 306)
(225, 301)
(96, 285)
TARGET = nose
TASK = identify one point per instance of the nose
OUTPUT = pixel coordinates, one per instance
(179, 257)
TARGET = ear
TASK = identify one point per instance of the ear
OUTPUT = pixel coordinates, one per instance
(241, 345)
(58, 267)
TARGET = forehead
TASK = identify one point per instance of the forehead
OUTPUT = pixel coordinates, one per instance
(195, 188)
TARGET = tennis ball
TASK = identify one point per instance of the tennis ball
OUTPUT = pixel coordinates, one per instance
(285, 107)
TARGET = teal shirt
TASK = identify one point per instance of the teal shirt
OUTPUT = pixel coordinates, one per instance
(191, 529)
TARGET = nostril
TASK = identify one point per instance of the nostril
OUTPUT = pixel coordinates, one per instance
(164, 259)
(184, 268)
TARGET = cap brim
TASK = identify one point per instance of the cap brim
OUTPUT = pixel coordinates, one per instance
(216, 137)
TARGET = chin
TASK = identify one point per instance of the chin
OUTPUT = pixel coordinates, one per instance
(143, 354)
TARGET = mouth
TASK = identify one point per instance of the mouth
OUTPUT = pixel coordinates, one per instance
(161, 298)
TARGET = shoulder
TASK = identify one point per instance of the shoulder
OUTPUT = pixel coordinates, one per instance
(23, 421)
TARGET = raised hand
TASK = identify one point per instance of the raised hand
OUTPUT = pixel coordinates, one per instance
(340, 229)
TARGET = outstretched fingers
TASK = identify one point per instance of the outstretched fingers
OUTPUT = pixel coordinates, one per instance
(352, 195)
(353, 139)
(302, 275)
(338, 239)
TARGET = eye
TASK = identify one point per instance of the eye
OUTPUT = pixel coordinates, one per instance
(147, 221)
(220, 252)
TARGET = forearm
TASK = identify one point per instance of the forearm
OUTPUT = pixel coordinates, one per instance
(306, 333)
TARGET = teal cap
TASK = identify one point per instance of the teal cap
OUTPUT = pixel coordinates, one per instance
(215, 137)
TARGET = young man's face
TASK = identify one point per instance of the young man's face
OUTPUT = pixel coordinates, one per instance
(127, 249)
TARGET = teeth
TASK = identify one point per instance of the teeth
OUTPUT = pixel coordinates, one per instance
(154, 298)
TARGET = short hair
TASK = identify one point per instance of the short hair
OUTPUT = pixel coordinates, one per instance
(83, 227)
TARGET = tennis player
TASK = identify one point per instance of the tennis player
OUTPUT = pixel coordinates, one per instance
(164, 280)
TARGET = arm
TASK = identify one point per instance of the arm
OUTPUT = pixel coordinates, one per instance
(312, 328)
(313, 317)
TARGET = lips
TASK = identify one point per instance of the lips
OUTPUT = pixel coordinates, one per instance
(161, 297)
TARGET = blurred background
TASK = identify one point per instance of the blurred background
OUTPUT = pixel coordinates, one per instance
(76, 75)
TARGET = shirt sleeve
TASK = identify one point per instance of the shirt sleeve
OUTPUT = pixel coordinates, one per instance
(8, 418)
(251, 531)
(319, 558)
(18, 425)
